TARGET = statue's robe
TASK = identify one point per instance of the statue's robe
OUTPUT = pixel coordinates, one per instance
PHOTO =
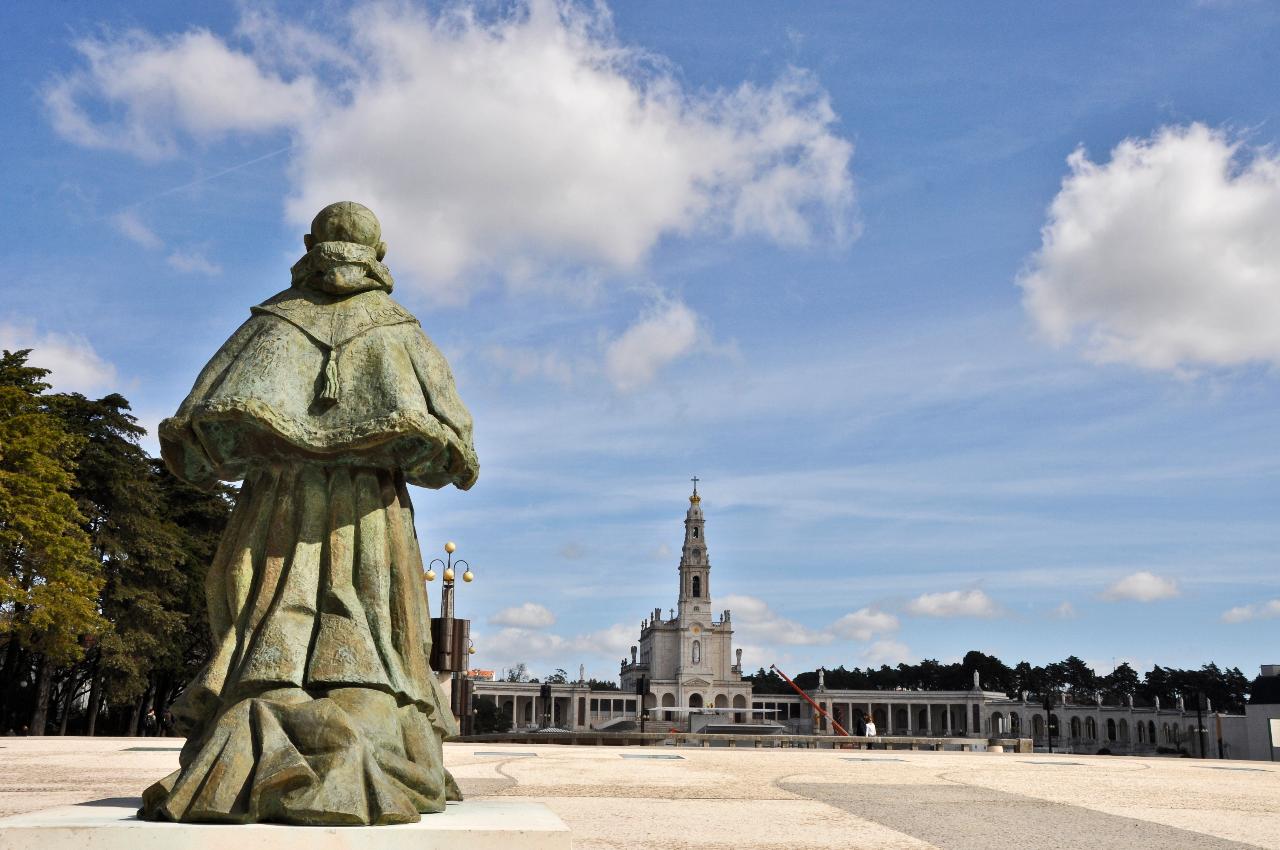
(317, 704)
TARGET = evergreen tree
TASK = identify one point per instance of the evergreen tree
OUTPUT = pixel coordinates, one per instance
(1080, 679)
(49, 580)
(122, 495)
(199, 518)
(1027, 679)
(519, 673)
(489, 718)
(993, 674)
(768, 682)
(1120, 683)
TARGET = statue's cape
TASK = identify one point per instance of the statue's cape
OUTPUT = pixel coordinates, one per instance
(337, 379)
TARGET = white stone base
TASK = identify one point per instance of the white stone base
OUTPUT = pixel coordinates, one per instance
(471, 825)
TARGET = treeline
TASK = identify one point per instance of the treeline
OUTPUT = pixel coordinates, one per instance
(1227, 690)
(102, 561)
(520, 673)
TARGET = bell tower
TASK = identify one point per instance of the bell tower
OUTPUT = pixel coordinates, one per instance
(687, 659)
(695, 565)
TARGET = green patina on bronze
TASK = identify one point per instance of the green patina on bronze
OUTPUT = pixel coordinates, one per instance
(318, 705)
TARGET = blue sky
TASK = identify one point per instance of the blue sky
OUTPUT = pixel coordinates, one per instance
(966, 318)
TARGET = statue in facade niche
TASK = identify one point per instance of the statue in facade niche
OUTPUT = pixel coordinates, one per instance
(317, 705)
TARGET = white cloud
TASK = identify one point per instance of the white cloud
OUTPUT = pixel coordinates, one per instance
(616, 639)
(756, 623)
(529, 140)
(954, 603)
(1255, 611)
(529, 615)
(759, 624)
(75, 366)
(187, 261)
(1168, 256)
(658, 338)
(525, 363)
(1142, 586)
(1065, 611)
(864, 624)
(156, 91)
(512, 645)
(886, 652)
(128, 223)
(193, 262)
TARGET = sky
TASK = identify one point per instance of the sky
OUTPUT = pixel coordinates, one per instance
(967, 318)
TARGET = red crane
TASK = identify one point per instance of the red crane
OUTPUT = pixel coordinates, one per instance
(816, 707)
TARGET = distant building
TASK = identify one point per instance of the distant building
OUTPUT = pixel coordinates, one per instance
(686, 662)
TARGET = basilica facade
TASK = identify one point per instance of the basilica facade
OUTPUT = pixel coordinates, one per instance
(687, 660)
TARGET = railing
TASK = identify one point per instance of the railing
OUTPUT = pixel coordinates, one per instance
(697, 739)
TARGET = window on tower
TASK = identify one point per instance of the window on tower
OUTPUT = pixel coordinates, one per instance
(695, 531)
(696, 591)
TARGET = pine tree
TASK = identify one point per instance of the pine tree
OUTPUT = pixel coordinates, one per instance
(138, 545)
(199, 518)
(49, 580)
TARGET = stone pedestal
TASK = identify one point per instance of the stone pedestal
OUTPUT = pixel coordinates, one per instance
(113, 825)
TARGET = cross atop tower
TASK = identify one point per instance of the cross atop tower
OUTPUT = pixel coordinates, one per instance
(695, 498)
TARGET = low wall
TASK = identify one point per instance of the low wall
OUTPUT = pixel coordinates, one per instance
(694, 739)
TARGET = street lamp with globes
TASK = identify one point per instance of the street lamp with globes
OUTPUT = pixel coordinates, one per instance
(451, 637)
(448, 567)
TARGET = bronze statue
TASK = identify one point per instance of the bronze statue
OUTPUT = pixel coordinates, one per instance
(318, 705)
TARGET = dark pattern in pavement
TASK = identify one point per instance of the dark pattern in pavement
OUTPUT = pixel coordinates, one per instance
(968, 817)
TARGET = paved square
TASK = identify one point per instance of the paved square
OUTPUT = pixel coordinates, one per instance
(715, 799)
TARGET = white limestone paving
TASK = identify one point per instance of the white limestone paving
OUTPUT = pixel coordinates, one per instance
(715, 798)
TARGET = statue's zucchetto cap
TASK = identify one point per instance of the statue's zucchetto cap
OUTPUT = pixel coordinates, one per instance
(347, 221)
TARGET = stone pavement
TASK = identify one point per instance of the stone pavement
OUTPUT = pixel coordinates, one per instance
(715, 799)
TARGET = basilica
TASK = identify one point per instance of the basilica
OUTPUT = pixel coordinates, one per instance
(687, 659)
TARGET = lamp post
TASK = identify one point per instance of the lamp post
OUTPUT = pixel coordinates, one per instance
(545, 693)
(448, 568)
(1048, 717)
(642, 688)
(1200, 720)
(450, 637)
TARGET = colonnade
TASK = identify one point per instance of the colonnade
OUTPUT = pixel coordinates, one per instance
(907, 717)
(570, 708)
